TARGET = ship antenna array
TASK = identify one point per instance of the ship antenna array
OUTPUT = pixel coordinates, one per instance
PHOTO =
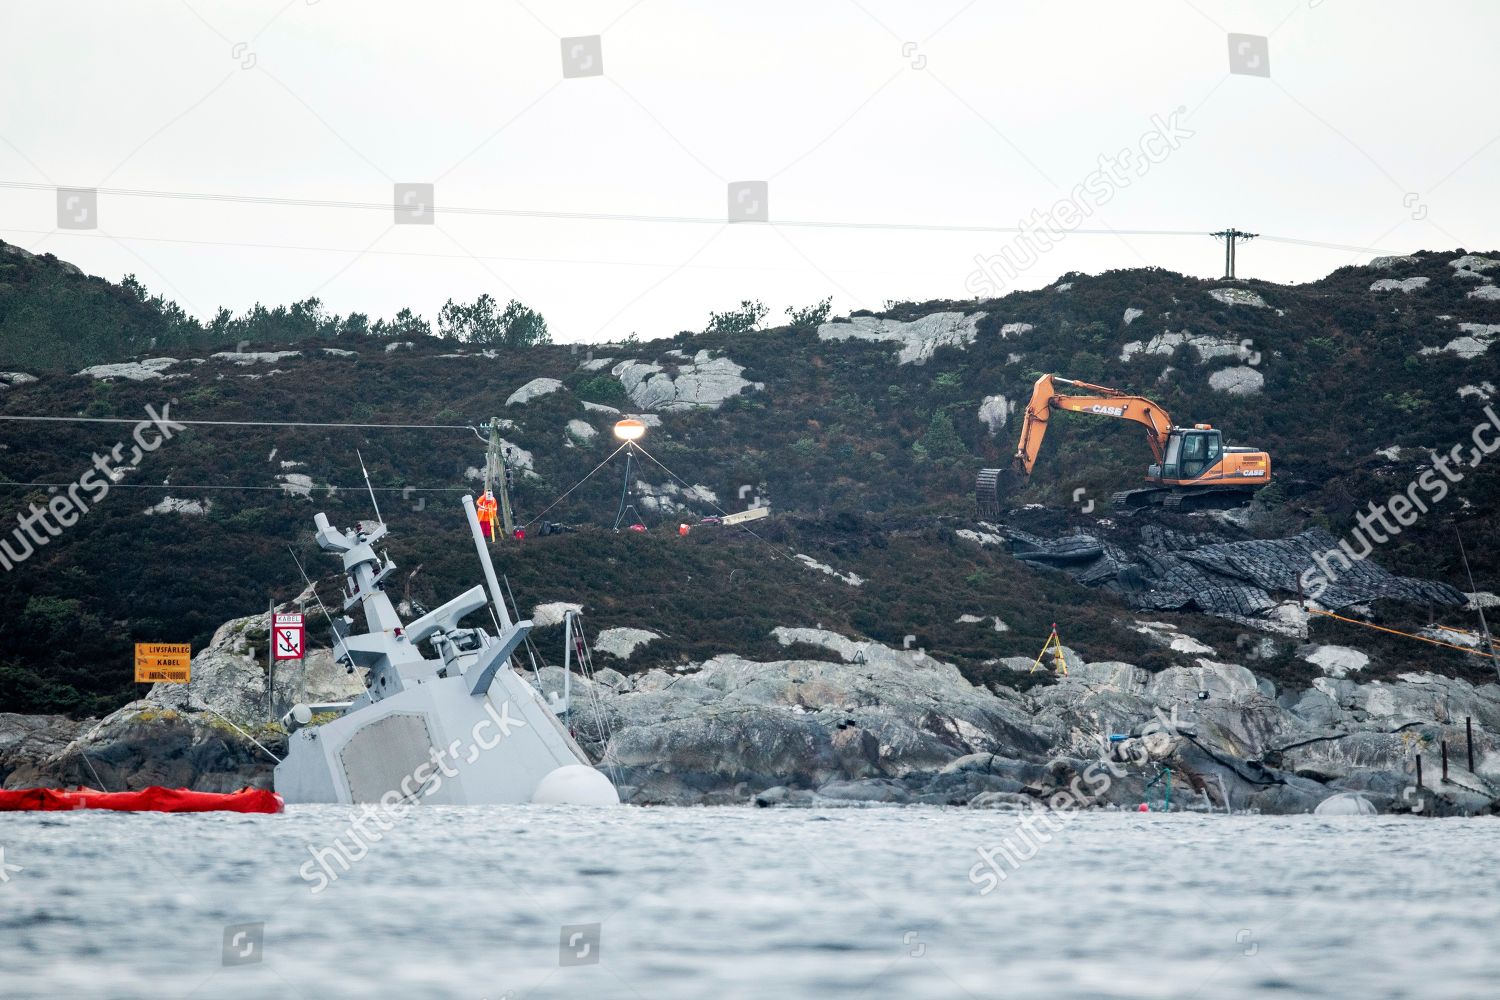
(366, 473)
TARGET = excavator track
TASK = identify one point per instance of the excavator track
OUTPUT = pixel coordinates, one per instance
(1182, 500)
(1207, 498)
(1136, 499)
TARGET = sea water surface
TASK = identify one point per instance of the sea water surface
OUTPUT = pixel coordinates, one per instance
(512, 902)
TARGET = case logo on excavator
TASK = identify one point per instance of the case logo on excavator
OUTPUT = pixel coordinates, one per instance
(1108, 411)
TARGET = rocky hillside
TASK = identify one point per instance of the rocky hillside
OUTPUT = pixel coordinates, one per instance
(863, 435)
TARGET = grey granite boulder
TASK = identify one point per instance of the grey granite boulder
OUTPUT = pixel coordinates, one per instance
(704, 382)
(917, 339)
(26, 740)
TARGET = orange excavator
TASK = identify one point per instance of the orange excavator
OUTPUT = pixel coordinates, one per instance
(1194, 469)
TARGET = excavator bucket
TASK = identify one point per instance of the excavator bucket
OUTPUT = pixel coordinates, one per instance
(992, 486)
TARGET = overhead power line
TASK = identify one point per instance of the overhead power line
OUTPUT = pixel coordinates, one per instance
(288, 488)
(34, 418)
(717, 220)
(431, 255)
(537, 213)
(1293, 241)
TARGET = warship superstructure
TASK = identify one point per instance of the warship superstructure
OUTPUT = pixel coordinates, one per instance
(459, 726)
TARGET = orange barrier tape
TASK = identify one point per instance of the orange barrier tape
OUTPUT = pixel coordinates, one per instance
(1382, 628)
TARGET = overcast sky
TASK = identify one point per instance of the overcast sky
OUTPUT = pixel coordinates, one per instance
(1376, 127)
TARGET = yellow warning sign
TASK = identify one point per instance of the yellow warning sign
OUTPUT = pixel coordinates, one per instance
(163, 662)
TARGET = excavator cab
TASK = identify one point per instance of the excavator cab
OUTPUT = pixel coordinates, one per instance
(1190, 453)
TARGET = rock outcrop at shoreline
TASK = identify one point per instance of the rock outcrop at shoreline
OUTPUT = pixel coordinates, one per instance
(889, 725)
(852, 721)
(214, 735)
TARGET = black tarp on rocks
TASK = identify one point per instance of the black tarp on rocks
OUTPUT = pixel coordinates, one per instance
(1067, 549)
(1175, 581)
(1112, 562)
(1173, 569)
(1154, 536)
(1279, 564)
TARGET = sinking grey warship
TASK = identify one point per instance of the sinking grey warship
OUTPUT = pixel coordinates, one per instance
(458, 727)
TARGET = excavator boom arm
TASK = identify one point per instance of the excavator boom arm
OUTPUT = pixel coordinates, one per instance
(1097, 399)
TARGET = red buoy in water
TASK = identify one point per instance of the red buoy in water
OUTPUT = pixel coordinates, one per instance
(1143, 808)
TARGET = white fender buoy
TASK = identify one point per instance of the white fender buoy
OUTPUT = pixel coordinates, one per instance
(575, 785)
(1345, 804)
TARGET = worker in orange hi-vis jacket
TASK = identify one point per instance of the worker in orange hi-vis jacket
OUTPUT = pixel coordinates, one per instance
(486, 510)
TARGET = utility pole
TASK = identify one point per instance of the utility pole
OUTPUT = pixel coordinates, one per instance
(498, 473)
(1229, 236)
(271, 658)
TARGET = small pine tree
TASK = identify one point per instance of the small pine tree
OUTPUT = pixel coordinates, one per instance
(810, 316)
(406, 324)
(941, 439)
(742, 320)
(481, 323)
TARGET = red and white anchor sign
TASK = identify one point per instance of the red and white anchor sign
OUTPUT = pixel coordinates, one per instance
(287, 635)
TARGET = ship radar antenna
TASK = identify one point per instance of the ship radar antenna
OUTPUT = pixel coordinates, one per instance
(368, 486)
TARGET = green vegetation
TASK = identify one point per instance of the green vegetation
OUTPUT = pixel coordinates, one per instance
(55, 318)
(742, 320)
(809, 317)
(941, 439)
(604, 389)
(480, 323)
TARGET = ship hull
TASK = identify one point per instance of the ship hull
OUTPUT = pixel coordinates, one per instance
(435, 743)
